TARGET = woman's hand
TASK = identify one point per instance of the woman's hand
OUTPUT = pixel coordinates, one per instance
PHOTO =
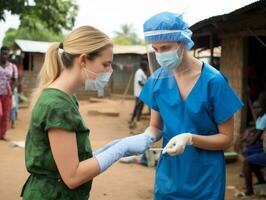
(177, 144)
(153, 133)
(137, 144)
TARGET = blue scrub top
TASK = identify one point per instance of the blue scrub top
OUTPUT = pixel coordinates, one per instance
(196, 174)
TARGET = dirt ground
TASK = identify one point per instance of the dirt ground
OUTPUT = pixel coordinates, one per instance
(120, 182)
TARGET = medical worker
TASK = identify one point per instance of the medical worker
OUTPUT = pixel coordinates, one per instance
(194, 105)
(58, 153)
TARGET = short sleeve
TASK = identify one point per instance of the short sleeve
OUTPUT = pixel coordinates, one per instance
(15, 71)
(143, 77)
(261, 123)
(224, 100)
(148, 95)
(62, 117)
(138, 76)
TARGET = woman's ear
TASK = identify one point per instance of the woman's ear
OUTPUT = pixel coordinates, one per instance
(181, 48)
(82, 60)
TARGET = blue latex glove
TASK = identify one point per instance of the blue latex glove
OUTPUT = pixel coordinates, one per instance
(137, 144)
(107, 146)
(153, 132)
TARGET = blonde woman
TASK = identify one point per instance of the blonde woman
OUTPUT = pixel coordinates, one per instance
(58, 152)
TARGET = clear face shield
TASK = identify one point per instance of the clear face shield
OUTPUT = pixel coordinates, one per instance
(153, 64)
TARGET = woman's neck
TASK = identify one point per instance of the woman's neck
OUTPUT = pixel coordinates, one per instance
(188, 65)
(65, 82)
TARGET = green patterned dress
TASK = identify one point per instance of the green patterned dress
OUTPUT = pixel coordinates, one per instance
(54, 109)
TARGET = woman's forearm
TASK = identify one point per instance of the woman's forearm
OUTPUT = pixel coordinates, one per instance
(85, 171)
(219, 141)
(156, 124)
(72, 171)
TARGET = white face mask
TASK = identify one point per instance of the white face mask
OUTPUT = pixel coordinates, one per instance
(100, 82)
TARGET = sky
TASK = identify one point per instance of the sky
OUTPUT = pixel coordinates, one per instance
(108, 15)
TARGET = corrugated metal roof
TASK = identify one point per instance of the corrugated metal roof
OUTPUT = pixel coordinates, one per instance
(201, 53)
(41, 47)
(243, 21)
(259, 4)
(33, 46)
(134, 49)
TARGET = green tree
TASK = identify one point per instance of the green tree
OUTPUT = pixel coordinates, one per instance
(126, 35)
(10, 36)
(43, 21)
(14, 6)
(55, 15)
(39, 34)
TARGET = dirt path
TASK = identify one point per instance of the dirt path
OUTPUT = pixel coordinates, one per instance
(120, 182)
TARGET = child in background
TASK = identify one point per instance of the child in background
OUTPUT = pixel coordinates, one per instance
(14, 108)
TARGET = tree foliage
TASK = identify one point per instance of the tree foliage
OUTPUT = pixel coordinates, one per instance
(55, 15)
(126, 35)
(43, 21)
(38, 34)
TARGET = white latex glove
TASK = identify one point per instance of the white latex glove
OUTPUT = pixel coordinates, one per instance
(177, 144)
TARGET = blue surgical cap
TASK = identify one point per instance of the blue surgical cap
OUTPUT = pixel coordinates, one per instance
(167, 26)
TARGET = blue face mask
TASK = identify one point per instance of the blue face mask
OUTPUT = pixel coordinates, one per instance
(169, 59)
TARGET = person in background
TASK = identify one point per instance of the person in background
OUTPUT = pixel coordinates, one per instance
(14, 107)
(253, 164)
(255, 145)
(8, 78)
(139, 81)
(20, 66)
(250, 131)
(250, 135)
(15, 95)
(255, 153)
(253, 142)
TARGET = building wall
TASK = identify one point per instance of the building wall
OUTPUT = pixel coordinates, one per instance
(125, 66)
(234, 65)
(30, 75)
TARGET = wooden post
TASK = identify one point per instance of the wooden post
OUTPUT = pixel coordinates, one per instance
(30, 72)
(211, 47)
(233, 64)
(127, 88)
